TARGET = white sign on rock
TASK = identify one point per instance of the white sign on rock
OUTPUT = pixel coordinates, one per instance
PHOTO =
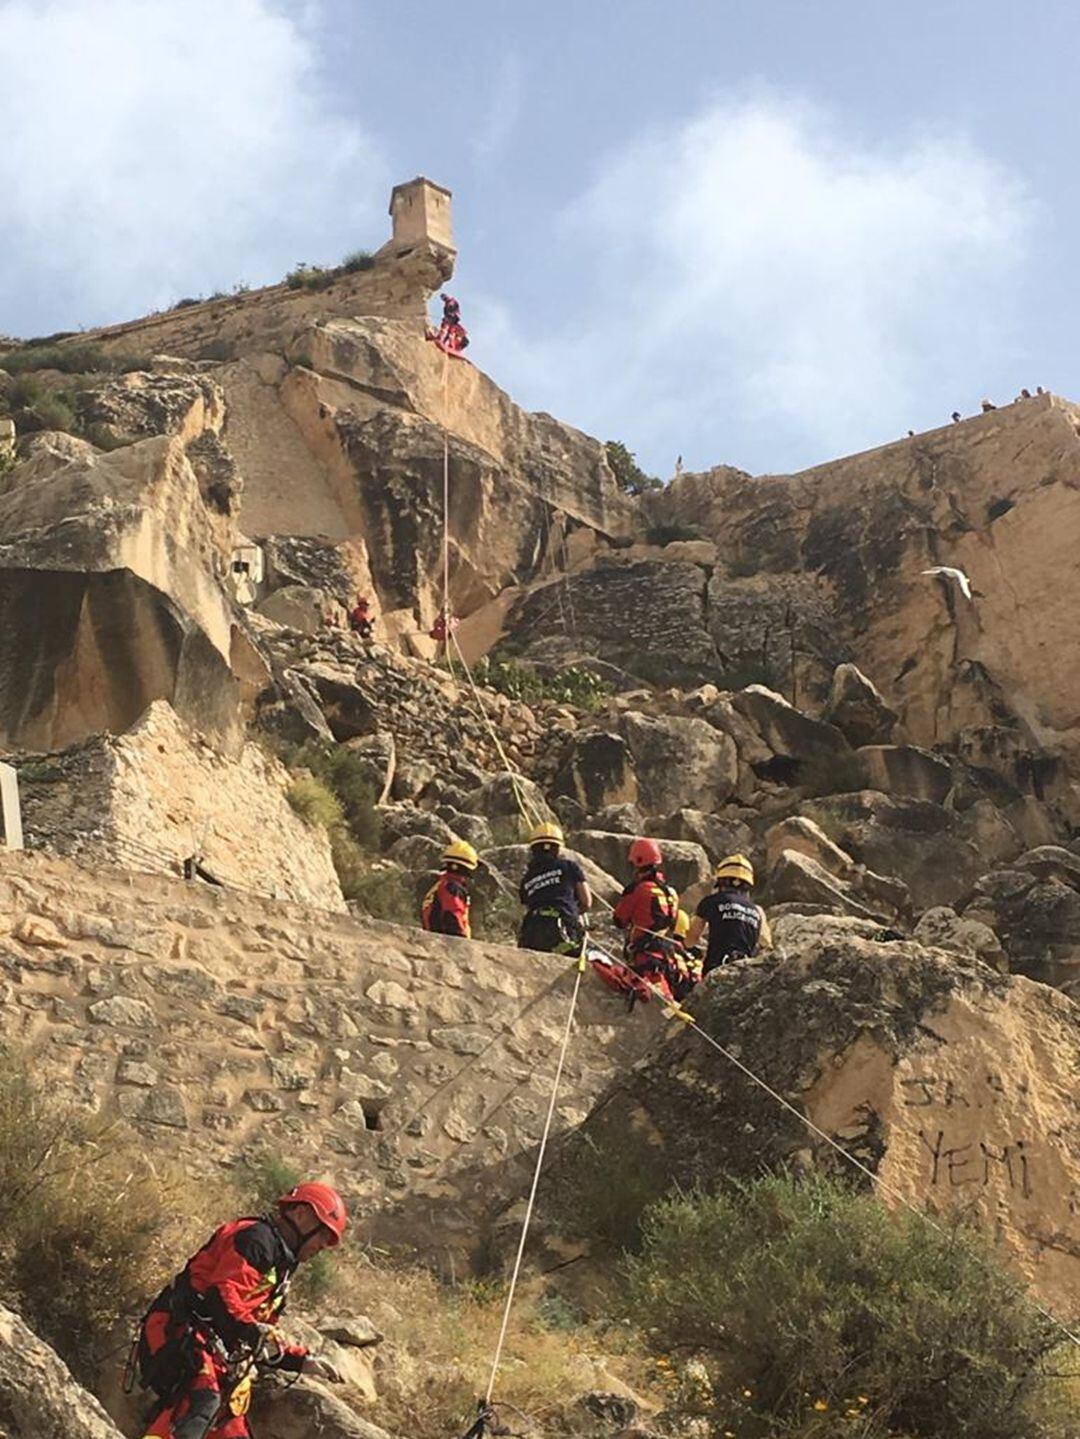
(10, 813)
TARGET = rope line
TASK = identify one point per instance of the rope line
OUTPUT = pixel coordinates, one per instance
(446, 613)
(528, 814)
(535, 1184)
(678, 1012)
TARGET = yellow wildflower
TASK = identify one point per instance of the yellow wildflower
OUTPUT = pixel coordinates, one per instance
(821, 1405)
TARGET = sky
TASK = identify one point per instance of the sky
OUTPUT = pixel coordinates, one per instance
(753, 232)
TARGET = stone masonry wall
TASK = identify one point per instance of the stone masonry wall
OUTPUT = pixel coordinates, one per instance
(216, 1026)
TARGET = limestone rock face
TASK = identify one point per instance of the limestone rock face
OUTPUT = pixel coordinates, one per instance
(111, 597)
(687, 761)
(153, 797)
(954, 1084)
(1034, 908)
(904, 770)
(38, 1396)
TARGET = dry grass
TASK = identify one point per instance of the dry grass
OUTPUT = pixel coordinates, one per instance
(440, 1342)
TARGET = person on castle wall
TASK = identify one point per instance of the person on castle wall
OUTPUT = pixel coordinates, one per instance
(445, 907)
(737, 926)
(361, 621)
(555, 894)
(208, 1333)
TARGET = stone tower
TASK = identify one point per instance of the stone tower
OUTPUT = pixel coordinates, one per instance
(420, 211)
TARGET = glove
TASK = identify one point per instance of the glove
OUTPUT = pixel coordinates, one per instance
(316, 1367)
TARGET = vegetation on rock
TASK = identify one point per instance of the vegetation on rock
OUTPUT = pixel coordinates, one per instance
(628, 473)
(575, 685)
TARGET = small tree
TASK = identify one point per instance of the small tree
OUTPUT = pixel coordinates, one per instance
(628, 473)
(818, 1312)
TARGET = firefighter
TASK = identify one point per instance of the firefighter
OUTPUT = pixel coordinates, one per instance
(555, 894)
(648, 911)
(737, 926)
(445, 907)
(207, 1333)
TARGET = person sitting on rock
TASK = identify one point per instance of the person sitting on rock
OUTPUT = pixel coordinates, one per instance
(555, 894)
(360, 620)
(648, 910)
(207, 1333)
(737, 926)
(445, 907)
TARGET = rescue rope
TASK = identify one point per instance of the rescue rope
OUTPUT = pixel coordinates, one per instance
(446, 613)
(676, 1011)
(530, 816)
(535, 1184)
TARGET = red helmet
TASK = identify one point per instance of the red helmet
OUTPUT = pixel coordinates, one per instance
(645, 854)
(327, 1203)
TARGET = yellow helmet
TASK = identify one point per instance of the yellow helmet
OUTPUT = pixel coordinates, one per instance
(461, 852)
(682, 925)
(547, 833)
(736, 866)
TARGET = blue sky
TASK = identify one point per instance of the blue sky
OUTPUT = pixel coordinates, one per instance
(757, 232)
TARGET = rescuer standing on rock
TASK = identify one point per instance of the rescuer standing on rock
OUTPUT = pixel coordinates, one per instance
(737, 926)
(445, 908)
(208, 1333)
(555, 894)
(648, 909)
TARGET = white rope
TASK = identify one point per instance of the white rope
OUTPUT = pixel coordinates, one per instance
(881, 1184)
(535, 1184)
(528, 814)
(446, 512)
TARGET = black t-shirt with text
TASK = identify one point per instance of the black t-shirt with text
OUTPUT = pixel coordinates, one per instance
(550, 882)
(734, 922)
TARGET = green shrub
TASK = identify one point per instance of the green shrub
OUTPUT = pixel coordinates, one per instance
(345, 773)
(187, 302)
(357, 260)
(388, 894)
(314, 803)
(668, 534)
(48, 412)
(817, 1312)
(263, 1179)
(629, 475)
(309, 277)
(80, 359)
(574, 685)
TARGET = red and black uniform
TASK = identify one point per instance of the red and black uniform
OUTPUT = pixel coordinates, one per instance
(445, 908)
(648, 911)
(202, 1332)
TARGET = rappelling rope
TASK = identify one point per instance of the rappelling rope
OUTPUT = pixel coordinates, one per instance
(446, 614)
(535, 1184)
(676, 1011)
(528, 813)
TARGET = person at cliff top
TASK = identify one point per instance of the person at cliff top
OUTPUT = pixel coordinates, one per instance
(555, 894)
(648, 911)
(209, 1331)
(451, 334)
(360, 621)
(445, 907)
(737, 926)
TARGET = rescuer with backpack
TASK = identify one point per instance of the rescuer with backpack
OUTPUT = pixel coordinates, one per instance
(207, 1334)
(648, 911)
(445, 907)
(736, 925)
(555, 894)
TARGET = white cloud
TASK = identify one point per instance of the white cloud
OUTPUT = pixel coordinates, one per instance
(500, 112)
(155, 148)
(755, 272)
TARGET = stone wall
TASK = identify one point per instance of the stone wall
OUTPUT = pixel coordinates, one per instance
(216, 1026)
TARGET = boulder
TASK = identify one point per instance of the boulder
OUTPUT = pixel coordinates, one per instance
(943, 928)
(619, 819)
(597, 770)
(1051, 861)
(297, 607)
(38, 1396)
(417, 852)
(685, 863)
(297, 1410)
(290, 708)
(933, 850)
(502, 797)
(857, 709)
(798, 878)
(680, 760)
(803, 752)
(717, 835)
(904, 770)
(940, 1075)
(377, 756)
(1037, 921)
(399, 821)
(804, 836)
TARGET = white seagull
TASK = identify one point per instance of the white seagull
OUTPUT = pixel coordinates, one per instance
(950, 573)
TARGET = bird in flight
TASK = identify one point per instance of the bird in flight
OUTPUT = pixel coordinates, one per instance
(949, 572)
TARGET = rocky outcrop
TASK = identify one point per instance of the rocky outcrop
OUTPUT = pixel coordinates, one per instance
(1033, 906)
(38, 1396)
(857, 709)
(949, 1081)
(157, 797)
(111, 596)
